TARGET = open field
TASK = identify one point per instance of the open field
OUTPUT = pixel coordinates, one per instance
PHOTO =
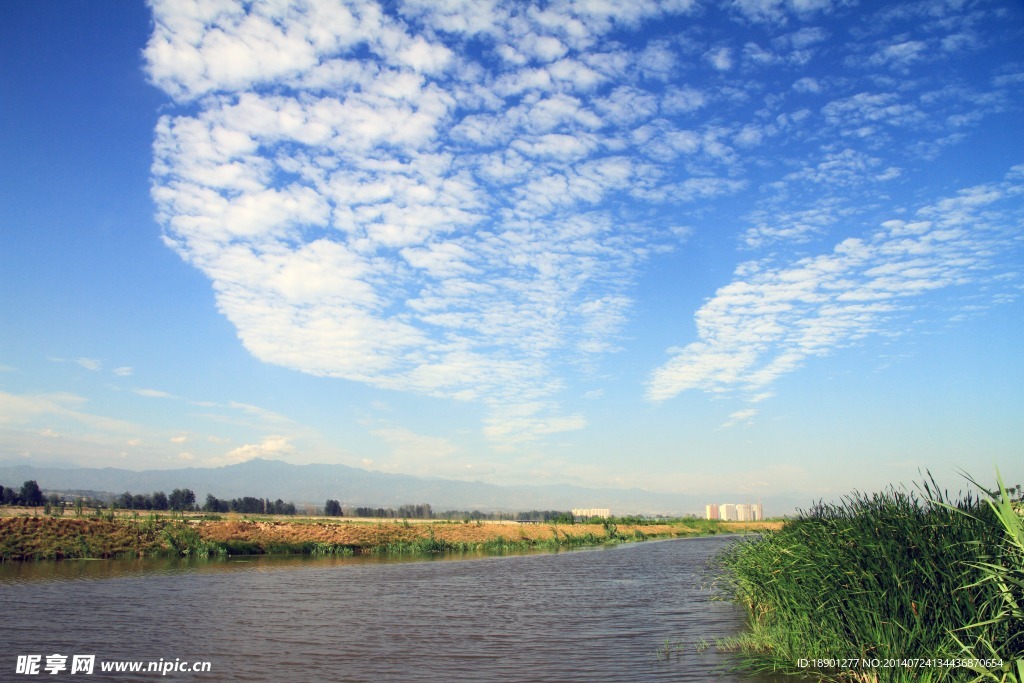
(25, 537)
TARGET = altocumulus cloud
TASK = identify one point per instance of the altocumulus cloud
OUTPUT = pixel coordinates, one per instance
(456, 197)
(773, 316)
(419, 199)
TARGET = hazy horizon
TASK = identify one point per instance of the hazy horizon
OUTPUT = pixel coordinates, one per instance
(681, 246)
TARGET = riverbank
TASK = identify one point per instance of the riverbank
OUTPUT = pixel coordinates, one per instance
(38, 538)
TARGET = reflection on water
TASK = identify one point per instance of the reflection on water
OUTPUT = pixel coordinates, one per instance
(594, 615)
(83, 570)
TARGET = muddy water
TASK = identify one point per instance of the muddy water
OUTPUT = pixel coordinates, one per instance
(594, 615)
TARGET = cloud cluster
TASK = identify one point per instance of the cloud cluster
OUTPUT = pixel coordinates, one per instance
(774, 316)
(373, 201)
(456, 197)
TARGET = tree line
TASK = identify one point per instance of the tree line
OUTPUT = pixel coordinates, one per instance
(184, 500)
(30, 495)
(179, 500)
(333, 508)
(249, 505)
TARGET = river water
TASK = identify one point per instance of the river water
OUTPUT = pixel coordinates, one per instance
(590, 615)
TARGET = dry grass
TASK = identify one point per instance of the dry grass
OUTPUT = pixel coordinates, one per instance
(366, 534)
(24, 537)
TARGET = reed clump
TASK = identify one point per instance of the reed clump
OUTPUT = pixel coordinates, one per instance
(897, 576)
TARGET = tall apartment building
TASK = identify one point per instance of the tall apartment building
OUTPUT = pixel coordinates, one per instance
(734, 512)
(727, 512)
(592, 512)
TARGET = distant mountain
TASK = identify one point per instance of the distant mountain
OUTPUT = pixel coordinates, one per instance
(314, 484)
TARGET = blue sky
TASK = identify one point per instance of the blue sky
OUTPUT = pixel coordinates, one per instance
(744, 247)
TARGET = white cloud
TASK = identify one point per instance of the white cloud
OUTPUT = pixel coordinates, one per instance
(900, 55)
(152, 393)
(740, 417)
(23, 409)
(772, 318)
(772, 226)
(274, 447)
(778, 11)
(683, 100)
(807, 85)
(863, 115)
(90, 363)
(720, 58)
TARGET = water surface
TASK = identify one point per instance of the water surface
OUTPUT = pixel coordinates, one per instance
(593, 615)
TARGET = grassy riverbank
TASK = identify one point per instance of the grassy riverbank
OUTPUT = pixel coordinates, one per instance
(46, 538)
(895, 583)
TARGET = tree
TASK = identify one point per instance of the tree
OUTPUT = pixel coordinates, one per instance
(279, 507)
(181, 499)
(211, 504)
(30, 494)
(332, 508)
(565, 518)
(248, 505)
(159, 499)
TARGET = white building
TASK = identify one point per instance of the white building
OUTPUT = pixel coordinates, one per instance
(591, 512)
(734, 512)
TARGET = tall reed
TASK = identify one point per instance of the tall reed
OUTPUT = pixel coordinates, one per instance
(892, 576)
(1004, 571)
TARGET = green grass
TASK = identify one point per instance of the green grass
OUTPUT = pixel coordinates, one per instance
(500, 544)
(892, 575)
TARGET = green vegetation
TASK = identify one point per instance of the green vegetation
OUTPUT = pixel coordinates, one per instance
(895, 576)
(1004, 574)
(185, 541)
(496, 545)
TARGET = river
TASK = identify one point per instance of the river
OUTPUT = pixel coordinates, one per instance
(590, 615)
